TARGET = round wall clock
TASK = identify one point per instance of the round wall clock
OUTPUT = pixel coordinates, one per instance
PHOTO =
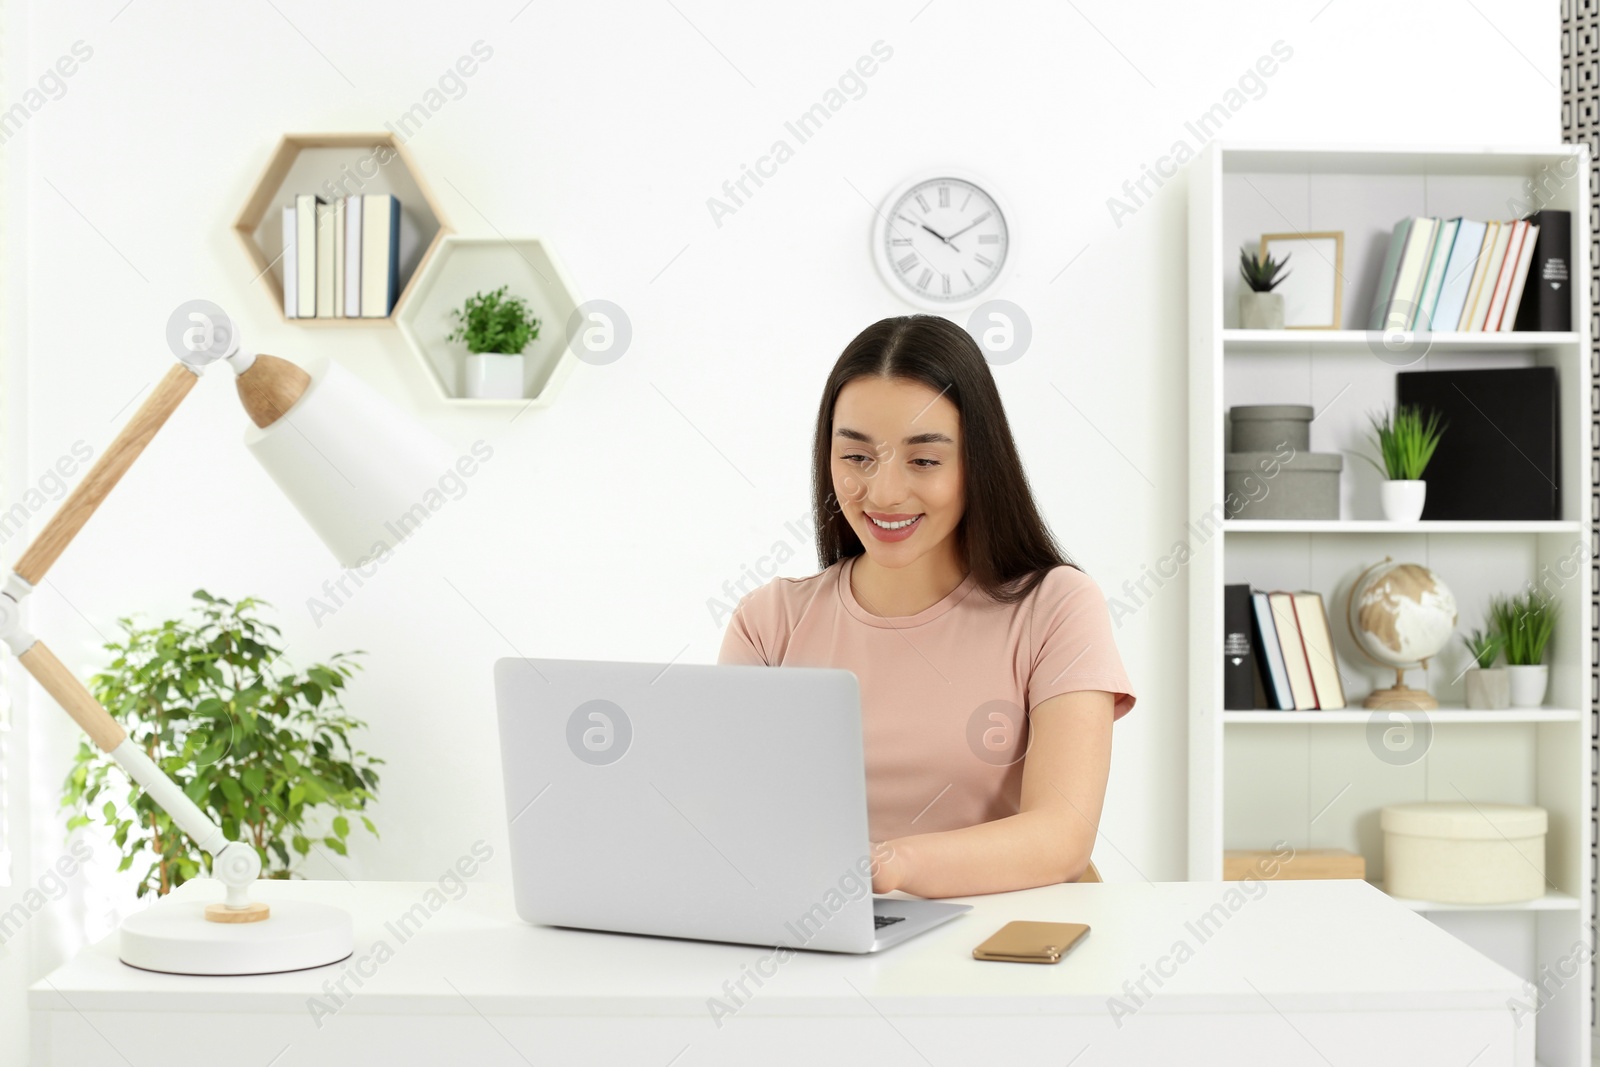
(942, 241)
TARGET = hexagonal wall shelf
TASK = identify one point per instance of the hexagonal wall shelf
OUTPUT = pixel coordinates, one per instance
(467, 265)
(339, 164)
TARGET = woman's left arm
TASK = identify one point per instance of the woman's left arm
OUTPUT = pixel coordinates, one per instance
(1049, 839)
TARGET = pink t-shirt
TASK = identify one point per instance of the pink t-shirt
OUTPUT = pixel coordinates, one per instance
(943, 692)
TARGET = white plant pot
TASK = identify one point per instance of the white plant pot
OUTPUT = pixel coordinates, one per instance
(1528, 683)
(1260, 311)
(494, 376)
(1402, 499)
(1488, 688)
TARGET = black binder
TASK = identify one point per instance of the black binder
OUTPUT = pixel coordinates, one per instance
(1547, 294)
(1238, 659)
(1500, 456)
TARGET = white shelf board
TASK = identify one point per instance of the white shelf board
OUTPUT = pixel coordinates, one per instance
(1424, 526)
(1267, 157)
(1361, 716)
(1551, 901)
(1366, 340)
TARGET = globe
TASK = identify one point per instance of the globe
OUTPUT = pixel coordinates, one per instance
(1401, 615)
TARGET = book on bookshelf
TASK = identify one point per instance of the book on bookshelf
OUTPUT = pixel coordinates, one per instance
(1312, 618)
(305, 248)
(290, 261)
(352, 267)
(1458, 274)
(380, 254)
(338, 257)
(324, 260)
(1547, 298)
(1238, 657)
(1295, 666)
(341, 258)
(1292, 648)
(1269, 655)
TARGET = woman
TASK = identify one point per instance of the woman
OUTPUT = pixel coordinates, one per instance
(988, 674)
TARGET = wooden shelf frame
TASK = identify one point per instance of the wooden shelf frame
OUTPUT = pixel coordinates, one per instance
(269, 193)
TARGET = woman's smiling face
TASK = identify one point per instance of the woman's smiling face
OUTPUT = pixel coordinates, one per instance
(897, 464)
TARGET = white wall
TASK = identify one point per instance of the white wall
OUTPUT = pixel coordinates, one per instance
(603, 525)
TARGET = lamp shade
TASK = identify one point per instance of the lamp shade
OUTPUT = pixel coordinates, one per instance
(360, 471)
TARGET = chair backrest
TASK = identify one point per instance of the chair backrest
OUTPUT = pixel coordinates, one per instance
(1090, 874)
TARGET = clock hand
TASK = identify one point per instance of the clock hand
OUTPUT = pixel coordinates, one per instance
(967, 227)
(936, 233)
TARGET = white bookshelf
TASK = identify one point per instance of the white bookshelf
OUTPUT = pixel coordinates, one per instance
(1313, 778)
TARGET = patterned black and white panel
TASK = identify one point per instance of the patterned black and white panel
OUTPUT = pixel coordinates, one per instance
(1580, 121)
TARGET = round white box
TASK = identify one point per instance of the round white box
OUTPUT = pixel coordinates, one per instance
(1461, 853)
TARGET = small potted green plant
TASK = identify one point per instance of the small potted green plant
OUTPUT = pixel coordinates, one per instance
(1406, 439)
(1526, 623)
(1259, 307)
(496, 328)
(268, 753)
(1488, 686)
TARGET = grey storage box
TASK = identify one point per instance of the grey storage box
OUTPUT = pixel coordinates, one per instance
(1262, 485)
(1267, 427)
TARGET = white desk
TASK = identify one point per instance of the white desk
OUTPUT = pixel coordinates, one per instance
(1305, 973)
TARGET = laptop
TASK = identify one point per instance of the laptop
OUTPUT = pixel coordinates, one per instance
(720, 803)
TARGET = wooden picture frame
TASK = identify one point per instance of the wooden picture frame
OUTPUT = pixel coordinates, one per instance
(1313, 290)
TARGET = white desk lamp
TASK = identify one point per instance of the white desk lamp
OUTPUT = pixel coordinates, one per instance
(356, 468)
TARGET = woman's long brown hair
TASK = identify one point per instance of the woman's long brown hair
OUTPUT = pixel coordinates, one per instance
(1007, 547)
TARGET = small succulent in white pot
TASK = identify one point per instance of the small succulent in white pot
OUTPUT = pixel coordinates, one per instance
(1259, 307)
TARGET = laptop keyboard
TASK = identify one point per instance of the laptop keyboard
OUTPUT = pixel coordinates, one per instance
(880, 921)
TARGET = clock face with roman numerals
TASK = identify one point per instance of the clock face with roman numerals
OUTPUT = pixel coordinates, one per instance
(942, 242)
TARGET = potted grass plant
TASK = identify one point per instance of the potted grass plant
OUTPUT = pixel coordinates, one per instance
(1525, 623)
(1406, 439)
(496, 328)
(1259, 307)
(1488, 686)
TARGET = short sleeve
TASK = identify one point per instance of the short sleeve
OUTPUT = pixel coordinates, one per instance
(742, 642)
(1073, 646)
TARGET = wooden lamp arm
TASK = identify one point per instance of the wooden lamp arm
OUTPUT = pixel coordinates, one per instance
(104, 475)
(268, 387)
(236, 865)
(90, 715)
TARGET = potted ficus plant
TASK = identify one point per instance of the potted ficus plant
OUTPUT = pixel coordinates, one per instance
(496, 328)
(1259, 307)
(1406, 440)
(1488, 686)
(1526, 623)
(266, 752)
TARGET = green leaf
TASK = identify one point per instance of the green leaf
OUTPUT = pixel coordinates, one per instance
(265, 749)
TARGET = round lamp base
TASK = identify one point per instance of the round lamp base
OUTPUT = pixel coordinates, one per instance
(174, 937)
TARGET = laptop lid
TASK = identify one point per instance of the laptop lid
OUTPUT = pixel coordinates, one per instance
(724, 803)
